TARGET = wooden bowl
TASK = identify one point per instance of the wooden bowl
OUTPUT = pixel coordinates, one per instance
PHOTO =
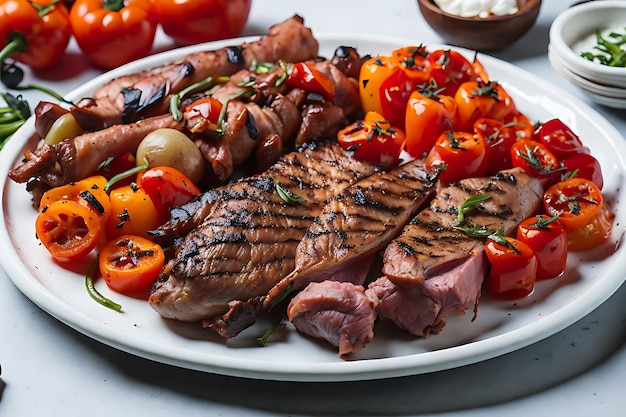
(490, 33)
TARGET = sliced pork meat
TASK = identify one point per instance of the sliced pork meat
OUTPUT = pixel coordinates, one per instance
(358, 223)
(340, 313)
(430, 244)
(433, 268)
(247, 241)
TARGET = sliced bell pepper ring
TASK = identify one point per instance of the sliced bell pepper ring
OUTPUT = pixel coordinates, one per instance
(113, 32)
(68, 230)
(130, 264)
(34, 32)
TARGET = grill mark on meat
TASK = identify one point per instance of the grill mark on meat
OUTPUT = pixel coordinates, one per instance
(247, 240)
(430, 241)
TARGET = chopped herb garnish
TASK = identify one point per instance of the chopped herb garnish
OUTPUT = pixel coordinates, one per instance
(288, 196)
(470, 204)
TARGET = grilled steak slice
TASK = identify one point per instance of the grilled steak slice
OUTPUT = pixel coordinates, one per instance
(430, 244)
(247, 242)
(339, 312)
(432, 268)
(357, 223)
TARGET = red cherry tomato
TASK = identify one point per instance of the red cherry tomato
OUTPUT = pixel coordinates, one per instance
(464, 155)
(427, 117)
(130, 264)
(513, 268)
(395, 92)
(167, 187)
(499, 139)
(576, 201)
(68, 229)
(450, 69)
(202, 116)
(309, 78)
(535, 159)
(547, 238)
(559, 139)
(585, 166)
(373, 140)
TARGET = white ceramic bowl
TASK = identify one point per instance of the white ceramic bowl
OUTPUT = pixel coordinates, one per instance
(573, 32)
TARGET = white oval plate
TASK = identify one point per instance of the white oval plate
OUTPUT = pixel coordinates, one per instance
(499, 328)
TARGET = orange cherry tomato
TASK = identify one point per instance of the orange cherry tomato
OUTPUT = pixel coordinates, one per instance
(374, 71)
(88, 192)
(464, 155)
(513, 268)
(130, 264)
(535, 159)
(69, 230)
(428, 115)
(476, 99)
(576, 201)
(413, 60)
(373, 140)
(132, 212)
(499, 139)
(113, 32)
(307, 77)
(594, 233)
(194, 21)
(450, 69)
(167, 187)
(547, 238)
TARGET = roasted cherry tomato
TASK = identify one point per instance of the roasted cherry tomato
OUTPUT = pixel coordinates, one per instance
(113, 32)
(394, 93)
(428, 115)
(132, 212)
(203, 115)
(89, 192)
(167, 187)
(535, 159)
(476, 99)
(559, 139)
(449, 69)
(576, 201)
(374, 71)
(594, 233)
(130, 264)
(513, 268)
(413, 60)
(307, 77)
(118, 165)
(373, 140)
(547, 238)
(194, 21)
(35, 32)
(463, 154)
(499, 138)
(584, 165)
(68, 229)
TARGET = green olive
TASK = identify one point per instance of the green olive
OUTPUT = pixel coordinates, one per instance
(171, 147)
(65, 127)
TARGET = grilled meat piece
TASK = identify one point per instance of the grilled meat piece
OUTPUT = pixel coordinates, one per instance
(433, 268)
(246, 243)
(77, 158)
(146, 93)
(341, 313)
(357, 223)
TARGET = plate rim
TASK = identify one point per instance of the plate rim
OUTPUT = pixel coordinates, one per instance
(423, 362)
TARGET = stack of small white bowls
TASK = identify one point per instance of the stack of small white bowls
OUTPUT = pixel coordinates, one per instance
(574, 32)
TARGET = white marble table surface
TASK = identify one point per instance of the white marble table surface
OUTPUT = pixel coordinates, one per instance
(49, 369)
